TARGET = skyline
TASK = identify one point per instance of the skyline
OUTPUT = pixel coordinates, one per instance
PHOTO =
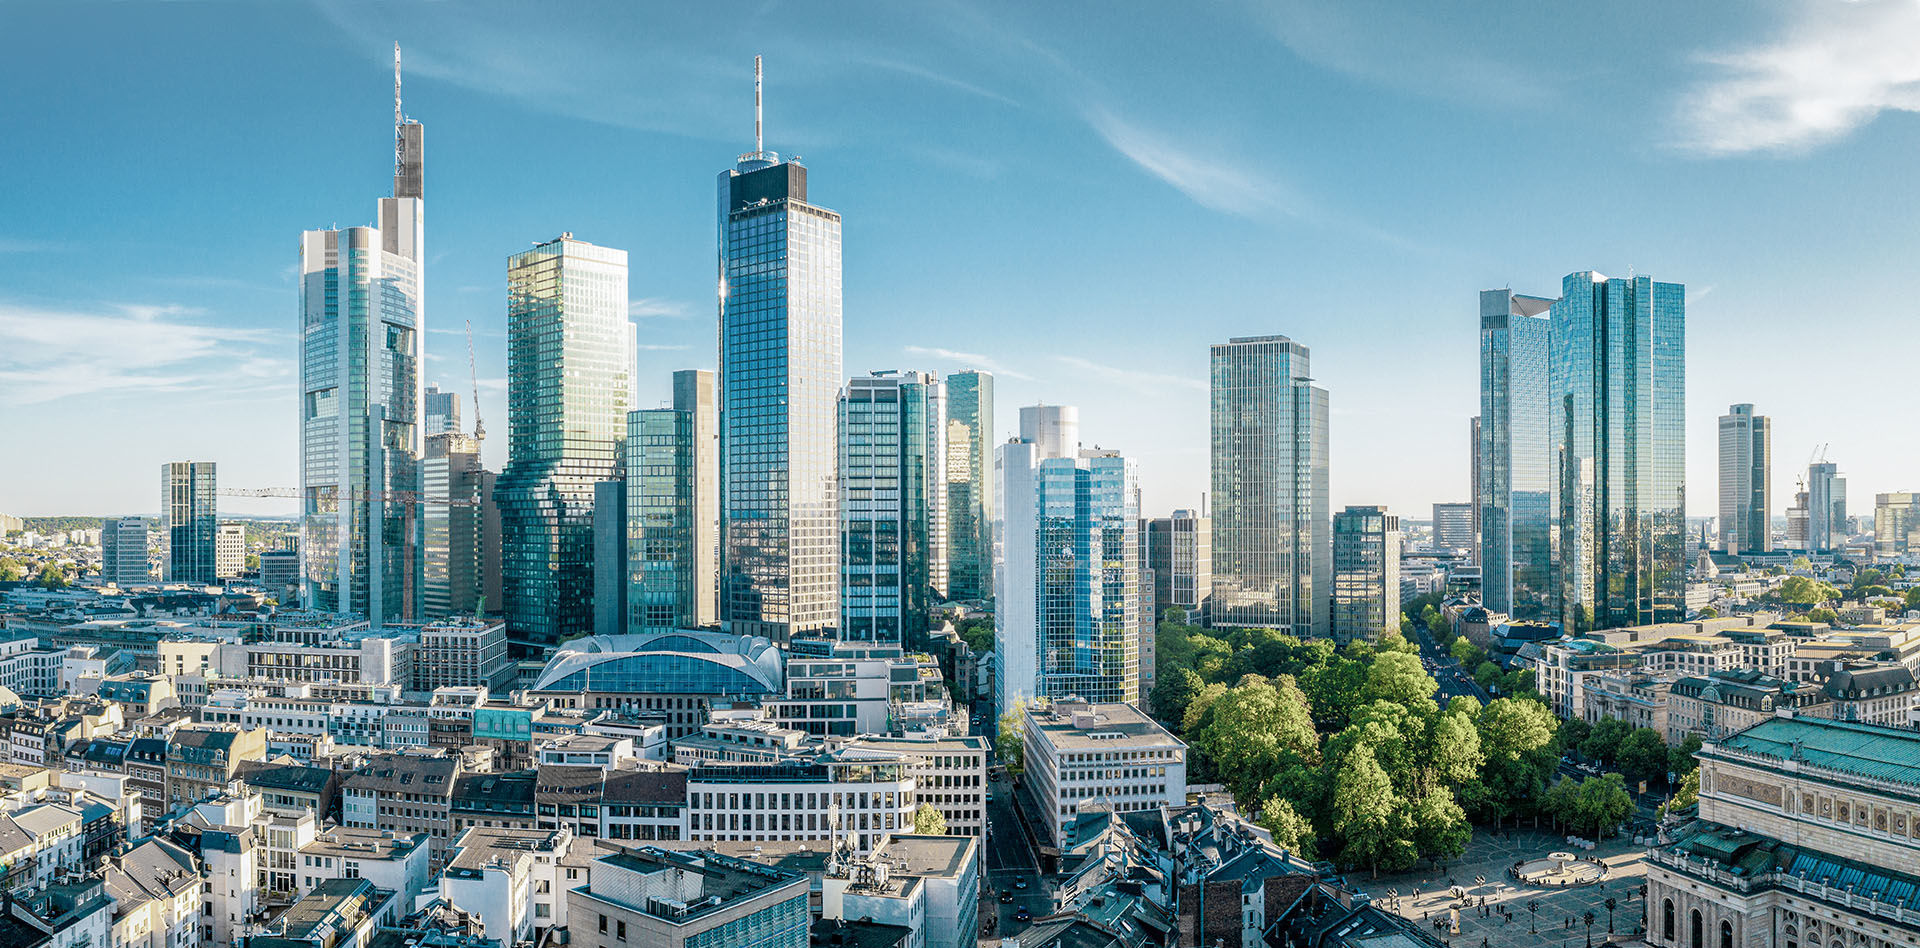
(178, 357)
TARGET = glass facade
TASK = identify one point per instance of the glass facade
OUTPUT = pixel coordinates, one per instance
(1366, 574)
(780, 373)
(1088, 596)
(1513, 457)
(452, 535)
(970, 510)
(661, 674)
(189, 521)
(892, 496)
(1746, 481)
(569, 371)
(1272, 552)
(661, 575)
(1826, 506)
(360, 419)
(1618, 401)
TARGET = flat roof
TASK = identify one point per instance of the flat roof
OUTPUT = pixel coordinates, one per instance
(1116, 726)
(1867, 750)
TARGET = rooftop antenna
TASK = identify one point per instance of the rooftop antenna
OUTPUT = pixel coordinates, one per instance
(759, 143)
(399, 140)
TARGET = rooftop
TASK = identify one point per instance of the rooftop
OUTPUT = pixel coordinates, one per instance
(484, 847)
(1081, 726)
(1867, 750)
(360, 843)
(680, 886)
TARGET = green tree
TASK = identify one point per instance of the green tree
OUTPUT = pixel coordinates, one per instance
(53, 576)
(1440, 829)
(1398, 678)
(1487, 674)
(1291, 831)
(1643, 755)
(1709, 612)
(1366, 813)
(1333, 689)
(11, 571)
(1688, 794)
(1173, 692)
(1559, 801)
(1571, 733)
(1516, 735)
(1453, 755)
(1195, 716)
(1913, 597)
(1603, 805)
(1822, 614)
(1680, 759)
(1011, 742)
(1604, 743)
(1803, 591)
(927, 821)
(1254, 731)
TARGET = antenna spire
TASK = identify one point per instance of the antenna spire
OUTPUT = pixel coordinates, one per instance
(759, 144)
(396, 84)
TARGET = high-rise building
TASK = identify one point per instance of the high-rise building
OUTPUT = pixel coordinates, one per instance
(1179, 551)
(1826, 506)
(1366, 573)
(672, 510)
(569, 361)
(1797, 519)
(230, 550)
(123, 552)
(1473, 483)
(280, 575)
(1272, 546)
(610, 557)
(970, 510)
(189, 522)
(362, 318)
(1618, 397)
(456, 503)
(1896, 523)
(1452, 526)
(892, 496)
(1067, 595)
(1514, 457)
(441, 410)
(1746, 481)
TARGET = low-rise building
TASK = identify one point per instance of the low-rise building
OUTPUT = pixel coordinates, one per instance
(407, 794)
(511, 879)
(1111, 753)
(1714, 706)
(655, 897)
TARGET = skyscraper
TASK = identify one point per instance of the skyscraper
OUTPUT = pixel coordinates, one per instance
(1514, 488)
(1272, 552)
(189, 522)
(569, 361)
(1067, 594)
(1746, 481)
(1618, 389)
(1452, 526)
(123, 551)
(230, 550)
(693, 393)
(454, 509)
(970, 511)
(362, 317)
(1366, 573)
(1473, 484)
(442, 411)
(892, 495)
(780, 374)
(672, 510)
(1826, 506)
(1179, 551)
(610, 556)
(1896, 523)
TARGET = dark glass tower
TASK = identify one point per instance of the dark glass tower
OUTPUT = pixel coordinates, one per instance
(1513, 488)
(189, 521)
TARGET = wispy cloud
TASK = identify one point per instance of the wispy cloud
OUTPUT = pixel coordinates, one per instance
(1831, 69)
(650, 307)
(972, 360)
(1411, 49)
(129, 349)
(1211, 181)
(1135, 377)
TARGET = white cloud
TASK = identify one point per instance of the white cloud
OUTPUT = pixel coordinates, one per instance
(1417, 49)
(1131, 377)
(1229, 186)
(1830, 70)
(128, 349)
(656, 306)
(972, 360)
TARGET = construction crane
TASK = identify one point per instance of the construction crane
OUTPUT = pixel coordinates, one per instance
(479, 430)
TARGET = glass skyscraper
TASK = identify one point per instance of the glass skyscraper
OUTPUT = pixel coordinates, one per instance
(1366, 574)
(1826, 506)
(892, 496)
(1272, 552)
(1746, 481)
(454, 537)
(189, 522)
(569, 370)
(670, 512)
(1514, 452)
(970, 512)
(362, 317)
(1618, 406)
(780, 376)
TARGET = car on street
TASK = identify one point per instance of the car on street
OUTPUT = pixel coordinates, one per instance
(1020, 884)
(1023, 915)
(1006, 897)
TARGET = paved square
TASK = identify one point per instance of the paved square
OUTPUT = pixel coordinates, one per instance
(1559, 910)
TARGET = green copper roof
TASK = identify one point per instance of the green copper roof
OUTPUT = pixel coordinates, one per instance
(1884, 753)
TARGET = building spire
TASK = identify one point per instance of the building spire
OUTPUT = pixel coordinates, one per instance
(759, 143)
(399, 146)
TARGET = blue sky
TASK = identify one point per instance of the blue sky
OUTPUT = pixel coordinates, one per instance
(1078, 196)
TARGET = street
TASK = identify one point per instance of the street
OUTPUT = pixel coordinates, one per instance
(1010, 858)
(1454, 681)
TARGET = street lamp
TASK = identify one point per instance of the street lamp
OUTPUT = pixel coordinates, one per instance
(1588, 918)
(1610, 904)
(1533, 916)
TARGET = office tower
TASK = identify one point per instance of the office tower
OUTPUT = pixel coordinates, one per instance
(780, 372)
(189, 522)
(693, 392)
(1179, 551)
(568, 365)
(1514, 457)
(970, 510)
(1826, 506)
(1453, 526)
(455, 504)
(280, 576)
(1366, 574)
(892, 494)
(610, 557)
(672, 510)
(1067, 593)
(441, 410)
(1473, 484)
(1149, 635)
(362, 317)
(1272, 553)
(1798, 534)
(1746, 481)
(230, 550)
(1896, 523)
(1618, 387)
(123, 552)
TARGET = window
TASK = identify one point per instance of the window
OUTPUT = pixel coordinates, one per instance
(621, 928)
(603, 920)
